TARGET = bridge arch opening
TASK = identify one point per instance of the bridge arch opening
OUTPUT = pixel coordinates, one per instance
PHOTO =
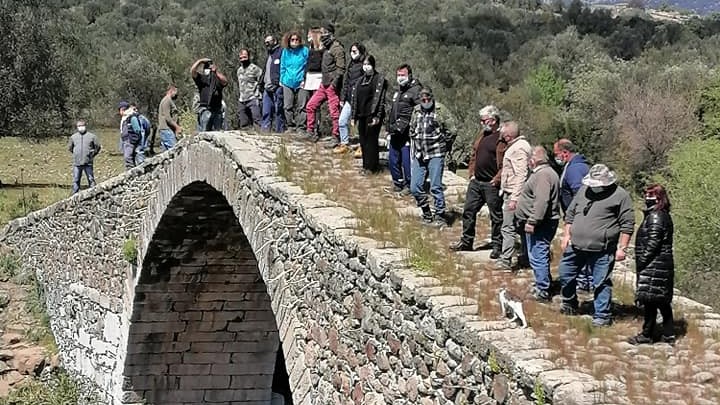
(202, 328)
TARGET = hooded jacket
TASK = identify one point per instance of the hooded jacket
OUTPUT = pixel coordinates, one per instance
(292, 66)
(571, 179)
(353, 73)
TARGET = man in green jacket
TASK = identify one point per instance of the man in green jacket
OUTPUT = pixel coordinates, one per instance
(538, 207)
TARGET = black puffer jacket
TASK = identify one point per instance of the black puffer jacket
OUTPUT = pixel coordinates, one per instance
(654, 262)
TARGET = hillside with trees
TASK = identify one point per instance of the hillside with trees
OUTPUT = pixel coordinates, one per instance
(640, 95)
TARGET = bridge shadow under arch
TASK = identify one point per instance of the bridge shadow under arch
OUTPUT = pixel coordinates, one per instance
(202, 328)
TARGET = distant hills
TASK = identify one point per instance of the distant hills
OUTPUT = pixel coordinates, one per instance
(702, 7)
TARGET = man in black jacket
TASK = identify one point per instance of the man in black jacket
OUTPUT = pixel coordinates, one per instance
(404, 101)
(272, 100)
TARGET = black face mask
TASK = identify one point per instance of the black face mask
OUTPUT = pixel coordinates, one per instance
(270, 48)
(174, 96)
(327, 40)
(650, 202)
(245, 62)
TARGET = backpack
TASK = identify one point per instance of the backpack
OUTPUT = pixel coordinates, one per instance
(145, 124)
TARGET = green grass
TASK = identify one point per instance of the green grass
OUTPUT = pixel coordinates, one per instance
(37, 174)
(41, 334)
(60, 390)
(284, 162)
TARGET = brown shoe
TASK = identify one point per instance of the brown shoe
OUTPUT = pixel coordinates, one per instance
(358, 153)
(341, 149)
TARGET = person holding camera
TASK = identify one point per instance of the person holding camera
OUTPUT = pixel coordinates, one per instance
(210, 84)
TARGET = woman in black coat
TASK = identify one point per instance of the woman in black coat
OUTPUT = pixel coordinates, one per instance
(655, 266)
(368, 109)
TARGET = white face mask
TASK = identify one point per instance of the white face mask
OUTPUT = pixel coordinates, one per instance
(354, 54)
(597, 190)
(402, 80)
(368, 69)
(559, 161)
(206, 72)
(81, 129)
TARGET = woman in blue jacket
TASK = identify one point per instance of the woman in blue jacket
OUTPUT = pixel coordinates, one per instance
(292, 74)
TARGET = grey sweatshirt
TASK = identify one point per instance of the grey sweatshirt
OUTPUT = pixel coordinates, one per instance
(84, 148)
(598, 220)
(540, 196)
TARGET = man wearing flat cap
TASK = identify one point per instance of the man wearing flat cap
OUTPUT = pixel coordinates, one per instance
(598, 226)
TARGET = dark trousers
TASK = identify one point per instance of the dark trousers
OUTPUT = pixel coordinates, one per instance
(77, 175)
(651, 309)
(248, 113)
(369, 136)
(399, 159)
(480, 193)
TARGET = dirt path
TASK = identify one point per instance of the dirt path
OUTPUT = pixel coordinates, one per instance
(684, 374)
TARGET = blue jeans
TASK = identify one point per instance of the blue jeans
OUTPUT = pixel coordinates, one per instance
(538, 244)
(601, 264)
(433, 169)
(209, 120)
(77, 175)
(399, 160)
(167, 139)
(344, 121)
(272, 107)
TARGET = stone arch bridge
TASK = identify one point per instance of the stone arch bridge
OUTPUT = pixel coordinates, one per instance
(243, 286)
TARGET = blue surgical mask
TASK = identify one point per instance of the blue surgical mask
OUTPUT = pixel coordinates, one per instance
(559, 161)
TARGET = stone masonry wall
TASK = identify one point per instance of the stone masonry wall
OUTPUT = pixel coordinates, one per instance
(355, 324)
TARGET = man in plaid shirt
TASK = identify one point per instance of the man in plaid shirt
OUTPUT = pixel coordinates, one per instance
(432, 133)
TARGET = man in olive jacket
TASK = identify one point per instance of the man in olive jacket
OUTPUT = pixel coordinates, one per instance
(538, 207)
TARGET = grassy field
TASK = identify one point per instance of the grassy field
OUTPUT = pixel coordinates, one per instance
(37, 174)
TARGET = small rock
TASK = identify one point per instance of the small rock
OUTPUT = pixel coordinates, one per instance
(6, 355)
(4, 299)
(30, 360)
(11, 338)
(703, 377)
(500, 388)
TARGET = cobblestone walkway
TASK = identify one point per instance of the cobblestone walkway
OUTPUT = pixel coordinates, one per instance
(686, 373)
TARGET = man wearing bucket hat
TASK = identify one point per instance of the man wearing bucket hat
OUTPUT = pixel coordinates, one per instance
(598, 226)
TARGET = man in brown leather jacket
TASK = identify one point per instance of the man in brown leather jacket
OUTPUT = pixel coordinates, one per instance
(484, 187)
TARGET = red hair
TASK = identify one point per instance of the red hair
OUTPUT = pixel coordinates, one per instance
(659, 192)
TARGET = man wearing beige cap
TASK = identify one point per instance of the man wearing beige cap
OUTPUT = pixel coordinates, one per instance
(598, 226)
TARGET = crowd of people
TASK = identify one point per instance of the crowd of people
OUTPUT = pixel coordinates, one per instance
(527, 199)
(525, 195)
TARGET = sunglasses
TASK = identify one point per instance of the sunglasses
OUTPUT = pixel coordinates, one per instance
(294, 39)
